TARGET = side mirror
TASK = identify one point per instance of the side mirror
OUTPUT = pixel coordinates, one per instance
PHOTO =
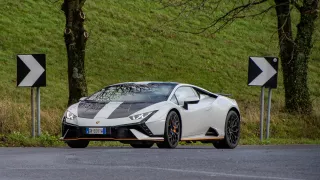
(83, 98)
(190, 100)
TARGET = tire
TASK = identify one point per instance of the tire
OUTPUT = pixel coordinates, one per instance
(172, 131)
(78, 143)
(143, 145)
(232, 132)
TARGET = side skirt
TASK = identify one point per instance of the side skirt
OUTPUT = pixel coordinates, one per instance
(205, 138)
(111, 139)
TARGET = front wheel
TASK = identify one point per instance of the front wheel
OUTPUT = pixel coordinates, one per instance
(172, 131)
(78, 143)
(232, 132)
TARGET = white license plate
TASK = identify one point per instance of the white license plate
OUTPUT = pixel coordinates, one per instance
(96, 131)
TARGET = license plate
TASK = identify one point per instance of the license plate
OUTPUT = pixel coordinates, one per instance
(96, 131)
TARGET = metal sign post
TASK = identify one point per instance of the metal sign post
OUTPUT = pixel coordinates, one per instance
(269, 109)
(38, 111)
(32, 114)
(263, 71)
(261, 112)
(31, 72)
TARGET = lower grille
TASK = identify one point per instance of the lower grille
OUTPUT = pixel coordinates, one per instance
(71, 131)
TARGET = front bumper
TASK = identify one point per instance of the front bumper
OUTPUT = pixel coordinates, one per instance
(128, 132)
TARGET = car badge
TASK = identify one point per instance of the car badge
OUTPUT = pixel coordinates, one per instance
(97, 122)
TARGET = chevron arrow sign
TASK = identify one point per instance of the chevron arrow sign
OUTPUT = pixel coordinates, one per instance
(263, 71)
(31, 70)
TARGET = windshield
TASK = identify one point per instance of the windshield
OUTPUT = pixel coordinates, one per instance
(152, 92)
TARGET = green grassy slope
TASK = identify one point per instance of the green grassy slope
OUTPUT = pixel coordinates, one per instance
(129, 42)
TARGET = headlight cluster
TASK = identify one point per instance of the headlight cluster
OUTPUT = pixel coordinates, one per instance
(142, 115)
(70, 115)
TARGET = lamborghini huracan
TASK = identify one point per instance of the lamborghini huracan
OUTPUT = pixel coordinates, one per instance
(146, 113)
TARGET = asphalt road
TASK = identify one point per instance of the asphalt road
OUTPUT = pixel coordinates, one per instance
(244, 162)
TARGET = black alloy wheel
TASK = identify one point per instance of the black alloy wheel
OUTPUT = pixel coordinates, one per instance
(142, 145)
(232, 132)
(172, 131)
(78, 143)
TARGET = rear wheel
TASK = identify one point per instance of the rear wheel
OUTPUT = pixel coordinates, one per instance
(143, 145)
(232, 132)
(78, 143)
(172, 131)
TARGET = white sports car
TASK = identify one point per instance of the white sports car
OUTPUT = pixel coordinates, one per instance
(144, 113)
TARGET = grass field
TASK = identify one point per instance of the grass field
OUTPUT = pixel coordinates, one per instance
(133, 41)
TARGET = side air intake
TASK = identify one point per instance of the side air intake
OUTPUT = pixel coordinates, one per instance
(212, 132)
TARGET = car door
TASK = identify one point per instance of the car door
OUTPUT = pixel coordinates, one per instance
(207, 118)
(193, 117)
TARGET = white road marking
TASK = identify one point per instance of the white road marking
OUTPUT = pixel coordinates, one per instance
(162, 169)
(210, 173)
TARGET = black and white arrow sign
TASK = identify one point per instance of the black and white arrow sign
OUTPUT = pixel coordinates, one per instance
(263, 71)
(31, 70)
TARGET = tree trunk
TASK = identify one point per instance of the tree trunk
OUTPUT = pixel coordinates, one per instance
(75, 37)
(294, 55)
(303, 46)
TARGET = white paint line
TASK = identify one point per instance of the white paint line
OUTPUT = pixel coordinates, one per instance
(210, 173)
(207, 173)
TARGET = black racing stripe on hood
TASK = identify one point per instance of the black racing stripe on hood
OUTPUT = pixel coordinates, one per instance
(89, 109)
(128, 108)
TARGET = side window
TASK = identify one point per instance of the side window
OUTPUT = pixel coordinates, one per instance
(183, 93)
(196, 92)
(174, 100)
(201, 94)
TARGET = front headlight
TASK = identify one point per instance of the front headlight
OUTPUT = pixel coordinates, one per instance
(70, 115)
(142, 115)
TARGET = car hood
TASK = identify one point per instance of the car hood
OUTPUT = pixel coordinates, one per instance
(109, 110)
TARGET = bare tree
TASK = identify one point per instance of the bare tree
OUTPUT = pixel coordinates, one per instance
(75, 37)
(294, 52)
